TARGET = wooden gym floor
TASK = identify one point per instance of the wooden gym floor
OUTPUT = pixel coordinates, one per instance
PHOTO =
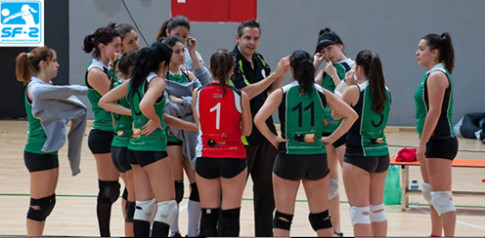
(74, 214)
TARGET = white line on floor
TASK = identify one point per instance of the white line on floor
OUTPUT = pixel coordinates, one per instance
(457, 221)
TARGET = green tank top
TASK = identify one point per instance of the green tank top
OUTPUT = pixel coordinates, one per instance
(301, 117)
(123, 124)
(330, 125)
(366, 137)
(36, 135)
(102, 118)
(182, 77)
(444, 127)
(157, 141)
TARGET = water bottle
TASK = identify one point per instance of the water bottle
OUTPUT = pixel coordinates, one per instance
(414, 185)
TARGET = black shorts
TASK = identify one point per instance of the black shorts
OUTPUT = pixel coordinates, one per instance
(144, 158)
(99, 142)
(132, 158)
(39, 162)
(296, 167)
(211, 168)
(339, 142)
(371, 164)
(446, 148)
(120, 158)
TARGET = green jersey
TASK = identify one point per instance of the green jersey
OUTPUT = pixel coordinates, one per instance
(102, 118)
(36, 135)
(123, 124)
(444, 127)
(342, 67)
(366, 137)
(301, 115)
(181, 78)
(156, 141)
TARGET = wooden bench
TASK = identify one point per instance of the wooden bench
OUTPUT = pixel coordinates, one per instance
(405, 178)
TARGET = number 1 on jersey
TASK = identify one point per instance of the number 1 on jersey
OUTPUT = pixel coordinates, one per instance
(217, 108)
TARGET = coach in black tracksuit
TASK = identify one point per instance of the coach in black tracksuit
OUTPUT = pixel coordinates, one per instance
(253, 76)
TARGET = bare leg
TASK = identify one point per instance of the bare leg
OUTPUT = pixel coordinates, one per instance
(285, 195)
(42, 184)
(377, 181)
(316, 192)
(357, 186)
(436, 223)
(439, 171)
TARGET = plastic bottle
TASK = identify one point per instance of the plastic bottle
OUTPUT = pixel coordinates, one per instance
(414, 187)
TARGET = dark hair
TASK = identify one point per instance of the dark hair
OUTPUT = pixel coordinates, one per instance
(126, 61)
(221, 64)
(303, 69)
(445, 47)
(148, 60)
(171, 24)
(248, 23)
(103, 35)
(372, 66)
(327, 37)
(121, 28)
(27, 64)
(171, 40)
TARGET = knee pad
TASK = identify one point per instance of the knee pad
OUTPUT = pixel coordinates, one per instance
(130, 211)
(360, 215)
(125, 194)
(208, 223)
(194, 193)
(378, 213)
(144, 210)
(231, 222)
(166, 212)
(426, 191)
(442, 202)
(320, 220)
(179, 191)
(109, 191)
(282, 220)
(333, 189)
(46, 205)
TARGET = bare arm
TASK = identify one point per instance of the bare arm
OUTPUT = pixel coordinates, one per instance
(340, 108)
(109, 101)
(172, 121)
(247, 124)
(269, 106)
(350, 97)
(255, 89)
(155, 90)
(98, 80)
(436, 85)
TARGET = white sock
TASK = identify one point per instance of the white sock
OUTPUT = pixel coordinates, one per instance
(194, 211)
(175, 226)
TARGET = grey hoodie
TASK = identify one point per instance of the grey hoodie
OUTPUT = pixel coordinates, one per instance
(54, 106)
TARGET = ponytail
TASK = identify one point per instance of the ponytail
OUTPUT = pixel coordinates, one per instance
(303, 70)
(88, 44)
(445, 47)
(27, 64)
(448, 54)
(163, 31)
(221, 63)
(372, 66)
(148, 60)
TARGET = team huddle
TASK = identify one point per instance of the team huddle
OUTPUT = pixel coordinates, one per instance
(160, 111)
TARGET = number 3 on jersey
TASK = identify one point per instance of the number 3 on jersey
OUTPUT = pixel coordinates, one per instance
(217, 108)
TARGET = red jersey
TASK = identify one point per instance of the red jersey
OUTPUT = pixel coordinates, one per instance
(219, 122)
